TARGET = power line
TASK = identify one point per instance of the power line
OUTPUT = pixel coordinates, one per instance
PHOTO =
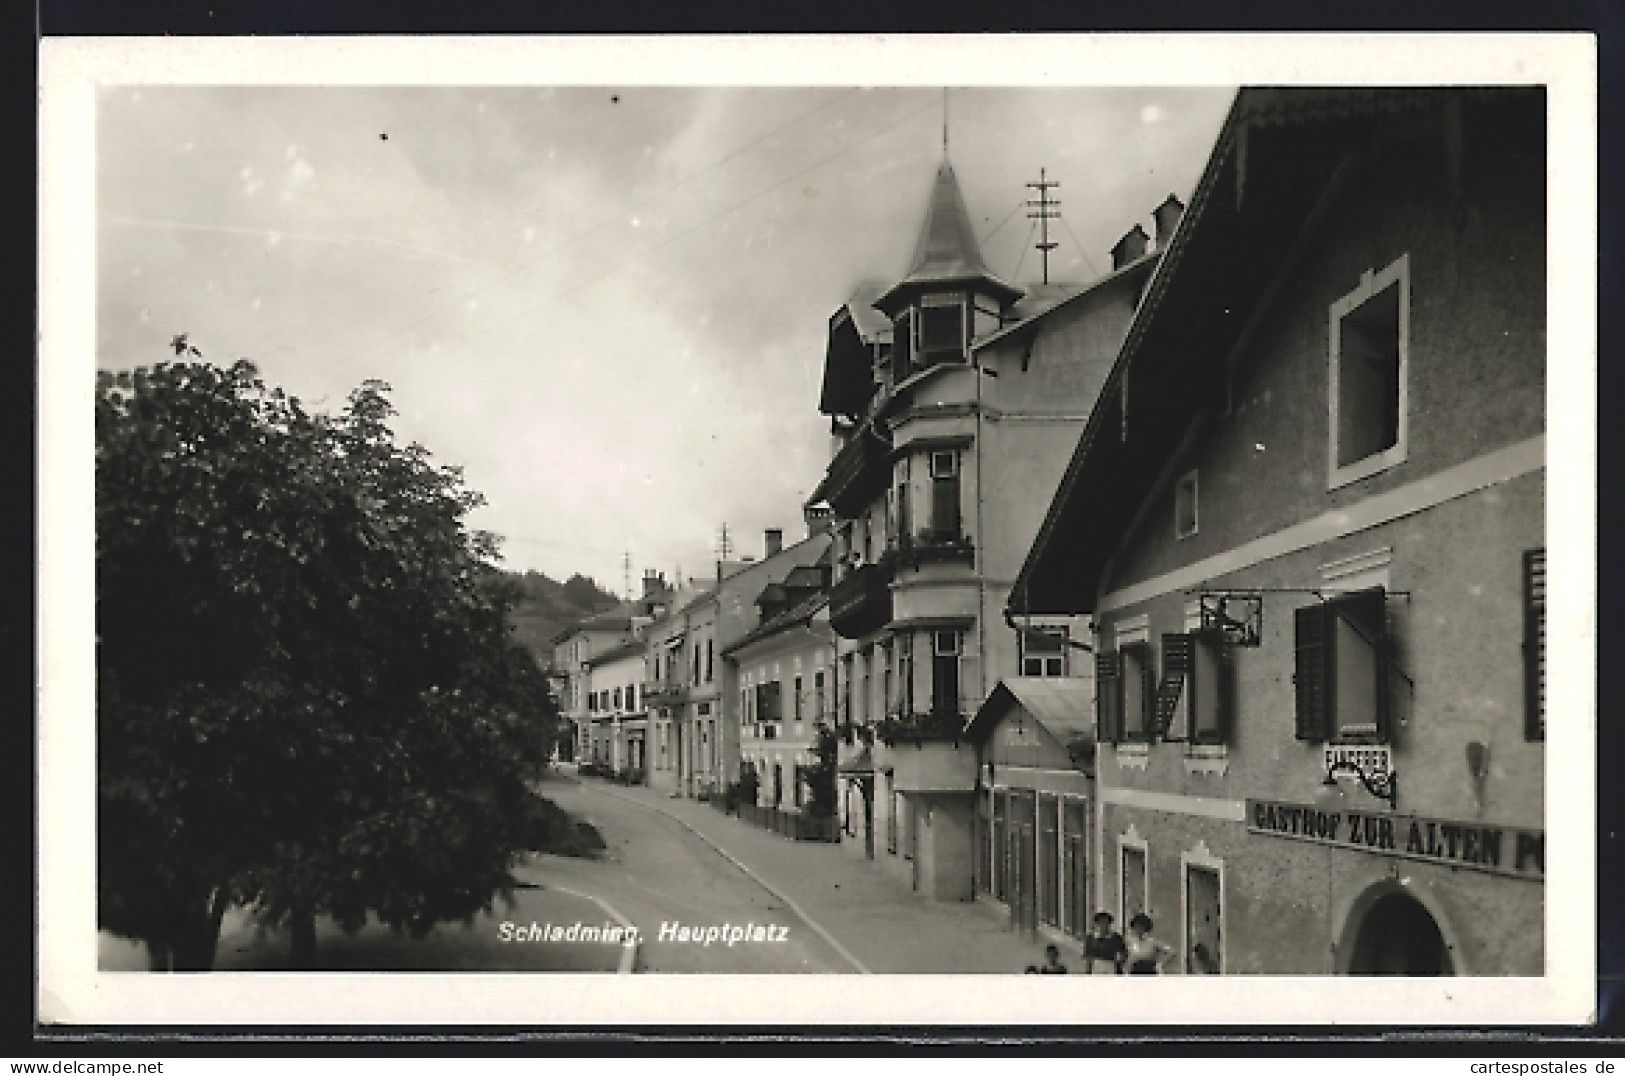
(606, 222)
(1031, 228)
(1007, 218)
(1081, 249)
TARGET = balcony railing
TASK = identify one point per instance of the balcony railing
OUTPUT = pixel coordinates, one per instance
(860, 471)
(861, 602)
(664, 692)
(921, 727)
(935, 547)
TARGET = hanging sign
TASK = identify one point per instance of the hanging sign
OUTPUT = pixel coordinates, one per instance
(1482, 846)
(1239, 618)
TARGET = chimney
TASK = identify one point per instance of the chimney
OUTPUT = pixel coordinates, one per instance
(818, 518)
(1167, 215)
(1130, 248)
(654, 584)
(774, 541)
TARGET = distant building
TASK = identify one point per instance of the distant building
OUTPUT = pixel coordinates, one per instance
(618, 721)
(575, 647)
(954, 399)
(1306, 519)
(785, 672)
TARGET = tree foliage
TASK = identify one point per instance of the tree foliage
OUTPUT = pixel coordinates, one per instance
(308, 696)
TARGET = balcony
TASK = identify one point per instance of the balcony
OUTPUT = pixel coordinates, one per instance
(936, 547)
(933, 726)
(859, 473)
(861, 602)
(664, 692)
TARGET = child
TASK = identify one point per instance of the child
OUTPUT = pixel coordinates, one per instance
(1104, 946)
(1146, 954)
(1052, 963)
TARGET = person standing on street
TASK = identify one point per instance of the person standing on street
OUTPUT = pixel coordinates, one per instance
(1146, 954)
(1104, 948)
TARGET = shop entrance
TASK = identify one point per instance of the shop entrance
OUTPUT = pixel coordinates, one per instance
(1398, 936)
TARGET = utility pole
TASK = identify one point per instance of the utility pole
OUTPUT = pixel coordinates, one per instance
(626, 574)
(724, 545)
(1048, 210)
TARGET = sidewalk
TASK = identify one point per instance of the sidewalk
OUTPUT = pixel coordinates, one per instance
(886, 926)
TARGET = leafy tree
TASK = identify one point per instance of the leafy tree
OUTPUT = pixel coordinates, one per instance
(821, 775)
(308, 697)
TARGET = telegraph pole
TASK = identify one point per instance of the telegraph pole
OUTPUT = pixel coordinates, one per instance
(1048, 210)
(626, 574)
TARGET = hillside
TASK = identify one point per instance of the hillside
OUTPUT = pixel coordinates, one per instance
(547, 607)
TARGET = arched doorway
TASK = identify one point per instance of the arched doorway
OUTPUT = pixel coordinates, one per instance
(1397, 935)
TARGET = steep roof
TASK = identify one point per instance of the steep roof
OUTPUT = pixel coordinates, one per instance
(946, 251)
(1282, 154)
(634, 646)
(795, 616)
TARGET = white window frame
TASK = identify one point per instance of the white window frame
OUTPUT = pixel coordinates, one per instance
(1179, 486)
(1372, 283)
(1065, 632)
(1199, 858)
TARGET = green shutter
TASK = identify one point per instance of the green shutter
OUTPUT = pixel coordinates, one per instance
(1310, 639)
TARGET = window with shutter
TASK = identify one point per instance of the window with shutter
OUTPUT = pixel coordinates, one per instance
(1341, 669)
(1138, 692)
(1534, 643)
(1108, 697)
(1172, 706)
(1211, 689)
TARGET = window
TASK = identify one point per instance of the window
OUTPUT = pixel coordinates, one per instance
(1123, 693)
(1370, 331)
(617, 698)
(1341, 669)
(769, 704)
(710, 654)
(1133, 878)
(1049, 859)
(1185, 506)
(942, 330)
(945, 494)
(1534, 643)
(902, 347)
(631, 696)
(694, 675)
(657, 668)
(1194, 697)
(846, 691)
(818, 694)
(1075, 908)
(945, 674)
(1043, 651)
(905, 673)
(885, 679)
(796, 704)
(900, 501)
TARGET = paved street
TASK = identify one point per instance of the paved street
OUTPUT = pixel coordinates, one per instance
(675, 864)
(876, 921)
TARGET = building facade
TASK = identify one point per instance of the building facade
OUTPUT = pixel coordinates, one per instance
(954, 399)
(1306, 518)
(785, 669)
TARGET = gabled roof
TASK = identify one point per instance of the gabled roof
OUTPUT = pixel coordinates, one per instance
(1039, 305)
(946, 251)
(1281, 154)
(795, 616)
(854, 329)
(1061, 704)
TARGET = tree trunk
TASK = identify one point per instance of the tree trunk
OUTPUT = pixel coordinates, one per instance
(199, 935)
(302, 940)
(159, 957)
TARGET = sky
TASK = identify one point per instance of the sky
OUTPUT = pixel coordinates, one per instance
(608, 306)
